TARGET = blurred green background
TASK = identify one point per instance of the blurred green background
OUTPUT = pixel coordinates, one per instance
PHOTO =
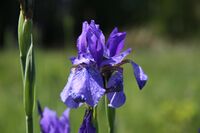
(165, 39)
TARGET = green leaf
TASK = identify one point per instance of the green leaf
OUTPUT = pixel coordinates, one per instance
(29, 82)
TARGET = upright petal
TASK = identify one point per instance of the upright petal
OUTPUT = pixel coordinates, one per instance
(85, 84)
(81, 41)
(115, 42)
(64, 121)
(140, 76)
(95, 43)
(87, 126)
(50, 123)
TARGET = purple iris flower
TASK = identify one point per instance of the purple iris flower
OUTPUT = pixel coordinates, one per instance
(50, 123)
(87, 126)
(96, 61)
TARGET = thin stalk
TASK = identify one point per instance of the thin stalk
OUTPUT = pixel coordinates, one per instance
(95, 119)
(29, 124)
(110, 112)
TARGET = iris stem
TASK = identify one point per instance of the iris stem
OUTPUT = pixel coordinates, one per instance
(95, 119)
(29, 124)
(110, 112)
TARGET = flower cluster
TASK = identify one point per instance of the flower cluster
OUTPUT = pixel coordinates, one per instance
(99, 62)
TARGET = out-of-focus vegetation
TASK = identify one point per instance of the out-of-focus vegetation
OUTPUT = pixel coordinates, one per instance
(169, 102)
(57, 22)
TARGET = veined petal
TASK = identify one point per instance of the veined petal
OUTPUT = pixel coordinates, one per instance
(87, 126)
(139, 74)
(65, 94)
(82, 58)
(116, 99)
(116, 59)
(115, 42)
(85, 84)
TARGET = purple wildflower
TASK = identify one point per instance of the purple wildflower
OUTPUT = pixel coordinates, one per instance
(50, 123)
(87, 126)
(96, 61)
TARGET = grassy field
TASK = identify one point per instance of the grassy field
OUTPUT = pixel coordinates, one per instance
(170, 103)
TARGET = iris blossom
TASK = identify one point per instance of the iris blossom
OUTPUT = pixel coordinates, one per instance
(96, 62)
(50, 123)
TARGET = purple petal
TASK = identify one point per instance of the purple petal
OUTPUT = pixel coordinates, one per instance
(116, 99)
(64, 120)
(96, 41)
(82, 58)
(81, 41)
(87, 126)
(65, 94)
(94, 86)
(115, 42)
(115, 83)
(116, 59)
(140, 76)
(115, 86)
(50, 123)
(85, 84)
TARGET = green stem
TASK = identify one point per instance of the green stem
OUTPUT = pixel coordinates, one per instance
(95, 119)
(110, 113)
(29, 124)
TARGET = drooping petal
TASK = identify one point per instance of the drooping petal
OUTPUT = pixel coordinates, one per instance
(139, 74)
(87, 126)
(116, 99)
(81, 41)
(65, 94)
(115, 42)
(85, 84)
(115, 86)
(116, 59)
